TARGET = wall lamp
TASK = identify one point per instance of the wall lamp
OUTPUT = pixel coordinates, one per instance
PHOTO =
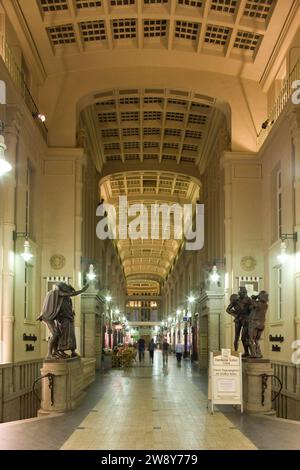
(26, 255)
(283, 256)
(40, 116)
(91, 275)
(214, 274)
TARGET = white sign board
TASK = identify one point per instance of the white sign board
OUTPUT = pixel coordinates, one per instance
(225, 379)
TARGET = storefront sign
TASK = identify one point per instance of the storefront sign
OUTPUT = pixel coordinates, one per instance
(276, 348)
(29, 337)
(225, 379)
(276, 339)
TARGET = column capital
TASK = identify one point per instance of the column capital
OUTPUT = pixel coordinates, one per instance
(229, 158)
(70, 153)
(8, 319)
(13, 121)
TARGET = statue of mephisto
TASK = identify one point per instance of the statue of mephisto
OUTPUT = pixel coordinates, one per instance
(249, 318)
(58, 314)
(256, 322)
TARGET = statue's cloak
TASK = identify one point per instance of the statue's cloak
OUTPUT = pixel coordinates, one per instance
(52, 306)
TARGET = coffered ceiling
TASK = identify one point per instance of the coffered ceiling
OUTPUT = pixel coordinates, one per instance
(210, 31)
(151, 125)
(154, 257)
(225, 27)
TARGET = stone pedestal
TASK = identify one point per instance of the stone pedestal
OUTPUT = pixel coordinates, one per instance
(257, 383)
(92, 309)
(70, 378)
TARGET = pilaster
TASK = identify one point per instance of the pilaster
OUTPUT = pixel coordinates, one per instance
(62, 219)
(295, 129)
(7, 226)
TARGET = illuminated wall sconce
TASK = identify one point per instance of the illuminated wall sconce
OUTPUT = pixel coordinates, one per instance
(39, 116)
(191, 299)
(108, 298)
(26, 255)
(283, 256)
(214, 275)
(91, 274)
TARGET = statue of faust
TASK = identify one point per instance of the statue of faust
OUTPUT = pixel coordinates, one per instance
(58, 314)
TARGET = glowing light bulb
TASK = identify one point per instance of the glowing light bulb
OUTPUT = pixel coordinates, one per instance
(26, 255)
(214, 276)
(91, 274)
(283, 256)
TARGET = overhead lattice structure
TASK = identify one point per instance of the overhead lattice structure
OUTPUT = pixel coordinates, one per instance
(149, 257)
(152, 125)
(230, 28)
(143, 288)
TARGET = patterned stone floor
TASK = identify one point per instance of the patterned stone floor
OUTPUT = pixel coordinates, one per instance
(150, 407)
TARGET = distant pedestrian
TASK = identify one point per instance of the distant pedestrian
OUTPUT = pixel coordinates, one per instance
(141, 348)
(151, 350)
(165, 351)
(179, 351)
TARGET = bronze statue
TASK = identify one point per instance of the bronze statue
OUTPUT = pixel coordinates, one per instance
(256, 322)
(249, 319)
(57, 313)
(239, 308)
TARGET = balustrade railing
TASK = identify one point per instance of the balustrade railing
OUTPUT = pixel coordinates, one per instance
(18, 79)
(17, 400)
(284, 96)
(287, 403)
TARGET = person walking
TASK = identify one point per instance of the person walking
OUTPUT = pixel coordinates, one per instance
(165, 351)
(141, 348)
(179, 351)
(151, 350)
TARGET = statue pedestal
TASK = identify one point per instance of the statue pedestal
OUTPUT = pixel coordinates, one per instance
(257, 385)
(68, 380)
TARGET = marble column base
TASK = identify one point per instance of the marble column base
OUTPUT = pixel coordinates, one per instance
(253, 369)
(70, 378)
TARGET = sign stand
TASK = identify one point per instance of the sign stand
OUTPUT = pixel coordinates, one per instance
(225, 385)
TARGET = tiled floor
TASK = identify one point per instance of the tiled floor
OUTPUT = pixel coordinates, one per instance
(150, 407)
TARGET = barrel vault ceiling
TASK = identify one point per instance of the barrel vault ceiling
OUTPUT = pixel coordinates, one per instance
(151, 142)
(147, 258)
(233, 31)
